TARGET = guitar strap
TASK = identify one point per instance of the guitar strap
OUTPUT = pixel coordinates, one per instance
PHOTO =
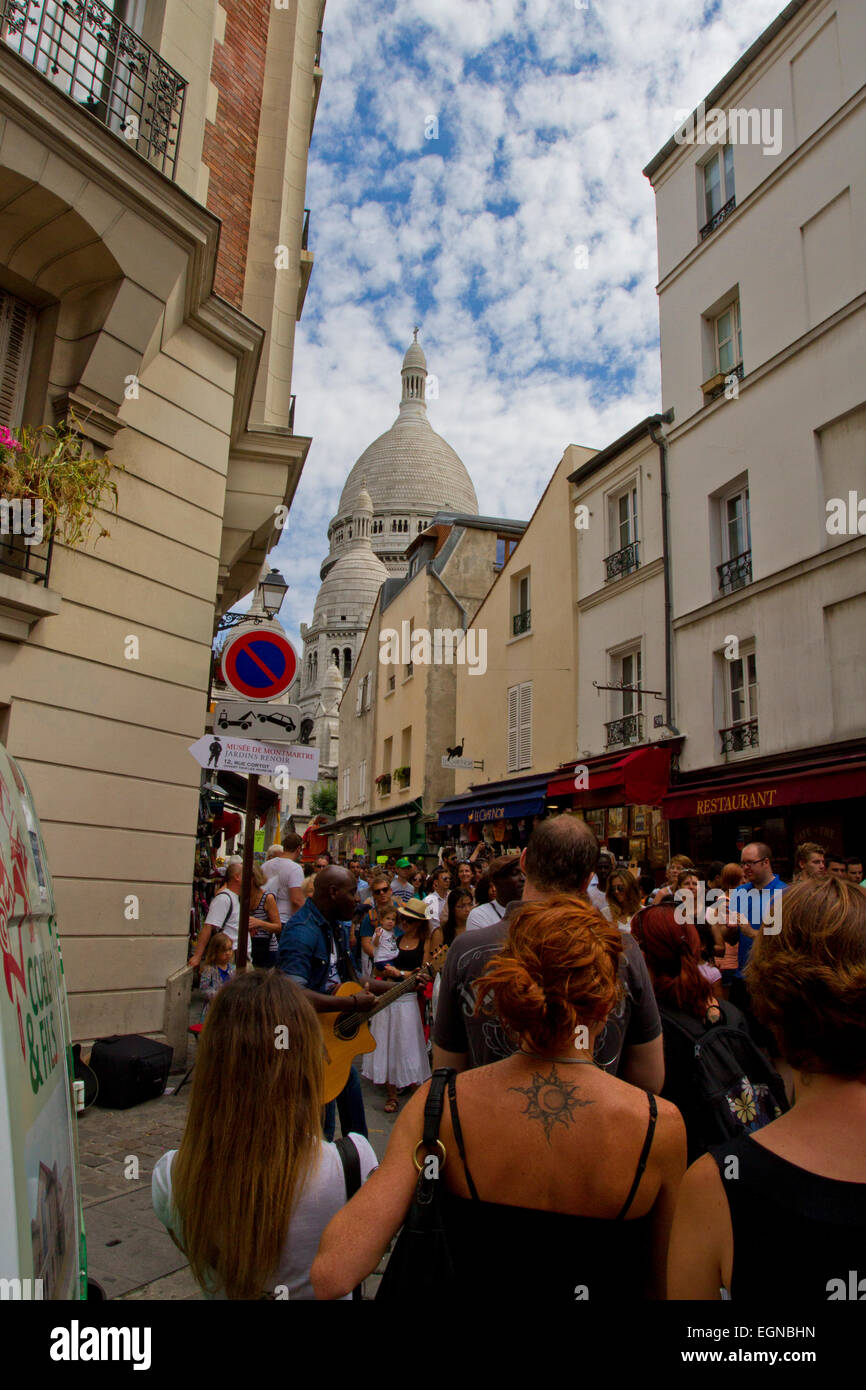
(345, 966)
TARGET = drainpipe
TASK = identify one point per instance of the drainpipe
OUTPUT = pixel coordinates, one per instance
(660, 441)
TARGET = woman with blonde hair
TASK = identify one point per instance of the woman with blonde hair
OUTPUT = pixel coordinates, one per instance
(253, 1185)
(783, 1210)
(623, 898)
(541, 1152)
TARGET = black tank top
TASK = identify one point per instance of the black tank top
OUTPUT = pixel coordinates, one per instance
(571, 1258)
(412, 958)
(795, 1233)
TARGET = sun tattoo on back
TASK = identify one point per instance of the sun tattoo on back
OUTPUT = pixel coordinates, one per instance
(550, 1100)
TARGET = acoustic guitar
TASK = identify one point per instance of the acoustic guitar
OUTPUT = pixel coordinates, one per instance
(347, 1035)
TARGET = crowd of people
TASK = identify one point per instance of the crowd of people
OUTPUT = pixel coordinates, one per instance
(656, 1091)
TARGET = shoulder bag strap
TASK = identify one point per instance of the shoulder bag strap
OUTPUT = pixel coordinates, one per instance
(644, 1155)
(351, 1161)
(458, 1132)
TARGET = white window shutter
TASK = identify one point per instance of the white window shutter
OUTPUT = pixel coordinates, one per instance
(525, 725)
(360, 695)
(513, 721)
(17, 323)
(362, 781)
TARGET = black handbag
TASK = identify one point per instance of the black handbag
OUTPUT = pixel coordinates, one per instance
(421, 1259)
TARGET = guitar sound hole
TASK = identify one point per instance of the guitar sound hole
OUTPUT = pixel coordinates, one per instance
(346, 1029)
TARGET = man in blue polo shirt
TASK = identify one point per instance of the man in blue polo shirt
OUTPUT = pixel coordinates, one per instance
(758, 900)
(314, 952)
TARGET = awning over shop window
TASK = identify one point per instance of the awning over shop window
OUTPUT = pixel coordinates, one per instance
(234, 784)
(828, 780)
(638, 778)
(523, 796)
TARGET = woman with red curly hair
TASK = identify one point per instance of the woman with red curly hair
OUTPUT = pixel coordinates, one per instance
(556, 1174)
(781, 1213)
(688, 1006)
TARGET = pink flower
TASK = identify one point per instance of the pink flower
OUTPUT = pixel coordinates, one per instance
(8, 440)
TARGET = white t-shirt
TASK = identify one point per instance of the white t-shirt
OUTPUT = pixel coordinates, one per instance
(386, 947)
(216, 914)
(484, 916)
(321, 1197)
(439, 906)
(282, 876)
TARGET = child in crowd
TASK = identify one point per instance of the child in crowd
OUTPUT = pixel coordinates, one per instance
(217, 967)
(385, 942)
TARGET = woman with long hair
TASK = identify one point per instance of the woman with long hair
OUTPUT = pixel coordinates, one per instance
(688, 1005)
(264, 924)
(784, 1209)
(253, 1184)
(460, 903)
(623, 898)
(543, 1151)
(466, 876)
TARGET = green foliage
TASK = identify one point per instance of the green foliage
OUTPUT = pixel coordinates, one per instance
(323, 802)
(49, 464)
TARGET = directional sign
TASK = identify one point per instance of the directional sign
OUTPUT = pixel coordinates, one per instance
(218, 752)
(276, 723)
(458, 762)
(259, 663)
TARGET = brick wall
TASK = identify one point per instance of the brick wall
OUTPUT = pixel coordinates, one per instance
(230, 144)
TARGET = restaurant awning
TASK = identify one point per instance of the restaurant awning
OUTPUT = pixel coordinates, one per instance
(520, 796)
(823, 779)
(638, 778)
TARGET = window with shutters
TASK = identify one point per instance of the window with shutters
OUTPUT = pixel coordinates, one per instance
(520, 726)
(346, 783)
(362, 780)
(17, 324)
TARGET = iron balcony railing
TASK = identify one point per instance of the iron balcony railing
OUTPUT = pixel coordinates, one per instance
(317, 61)
(627, 729)
(722, 387)
(622, 562)
(305, 235)
(292, 400)
(718, 218)
(736, 573)
(521, 622)
(740, 736)
(22, 561)
(103, 65)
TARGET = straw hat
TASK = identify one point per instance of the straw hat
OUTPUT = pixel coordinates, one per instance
(416, 910)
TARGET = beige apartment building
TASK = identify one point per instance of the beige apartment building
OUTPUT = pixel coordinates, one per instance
(153, 264)
(397, 713)
(521, 720)
(762, 302)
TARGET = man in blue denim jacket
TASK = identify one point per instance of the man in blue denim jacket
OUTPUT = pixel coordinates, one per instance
(314, 953)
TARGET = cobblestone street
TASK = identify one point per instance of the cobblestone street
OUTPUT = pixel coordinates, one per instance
(129, 1253)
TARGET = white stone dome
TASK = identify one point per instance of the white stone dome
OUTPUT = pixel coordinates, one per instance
(350, 587)
(410, 468)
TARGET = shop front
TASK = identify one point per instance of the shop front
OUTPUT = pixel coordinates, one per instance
(813, 794)
(500, 813)
(620, 795)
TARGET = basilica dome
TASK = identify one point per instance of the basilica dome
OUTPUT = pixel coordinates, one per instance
(410, 467)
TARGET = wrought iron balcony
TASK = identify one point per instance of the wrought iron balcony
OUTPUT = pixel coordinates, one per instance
(718, 384)
(31, 563)
(740, 736)
(628, 729)
(521, 622)
(622, 562)
(317, 61)
(736, 573)
(292, 400)
(718, 218)
(97, 60)
(305, 235)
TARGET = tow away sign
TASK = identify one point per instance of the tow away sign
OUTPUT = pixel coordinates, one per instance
(214, 751)
(277, 723)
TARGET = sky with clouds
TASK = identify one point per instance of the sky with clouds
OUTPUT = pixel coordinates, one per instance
(464, 152)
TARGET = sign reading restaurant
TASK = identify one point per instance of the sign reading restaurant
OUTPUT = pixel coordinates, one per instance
(738, 801)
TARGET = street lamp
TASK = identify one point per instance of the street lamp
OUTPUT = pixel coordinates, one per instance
(273, 590)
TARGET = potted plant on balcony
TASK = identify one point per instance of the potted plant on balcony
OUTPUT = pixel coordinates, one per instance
(402, 775)
(47, 465)
(383, 782)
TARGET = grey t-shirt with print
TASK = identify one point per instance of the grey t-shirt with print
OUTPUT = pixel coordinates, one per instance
(634, 1019)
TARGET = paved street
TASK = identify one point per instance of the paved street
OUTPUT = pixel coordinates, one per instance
(129, 1252)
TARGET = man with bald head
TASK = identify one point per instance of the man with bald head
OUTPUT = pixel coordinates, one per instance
(560, 857)
(314, 952)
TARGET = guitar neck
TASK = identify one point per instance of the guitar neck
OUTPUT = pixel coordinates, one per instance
(432, 966)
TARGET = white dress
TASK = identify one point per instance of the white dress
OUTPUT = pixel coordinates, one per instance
(401, 1052)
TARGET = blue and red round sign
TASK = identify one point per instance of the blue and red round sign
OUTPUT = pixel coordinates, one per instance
(259, 663)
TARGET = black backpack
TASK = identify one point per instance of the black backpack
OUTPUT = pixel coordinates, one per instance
(734, 1088)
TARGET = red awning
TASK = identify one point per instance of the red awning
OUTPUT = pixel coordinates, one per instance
(639, 778)
(833, 781)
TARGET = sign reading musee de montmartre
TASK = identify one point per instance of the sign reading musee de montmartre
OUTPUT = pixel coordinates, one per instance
(213, 751)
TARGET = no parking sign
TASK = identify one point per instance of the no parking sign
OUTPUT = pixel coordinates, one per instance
(259, 663)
